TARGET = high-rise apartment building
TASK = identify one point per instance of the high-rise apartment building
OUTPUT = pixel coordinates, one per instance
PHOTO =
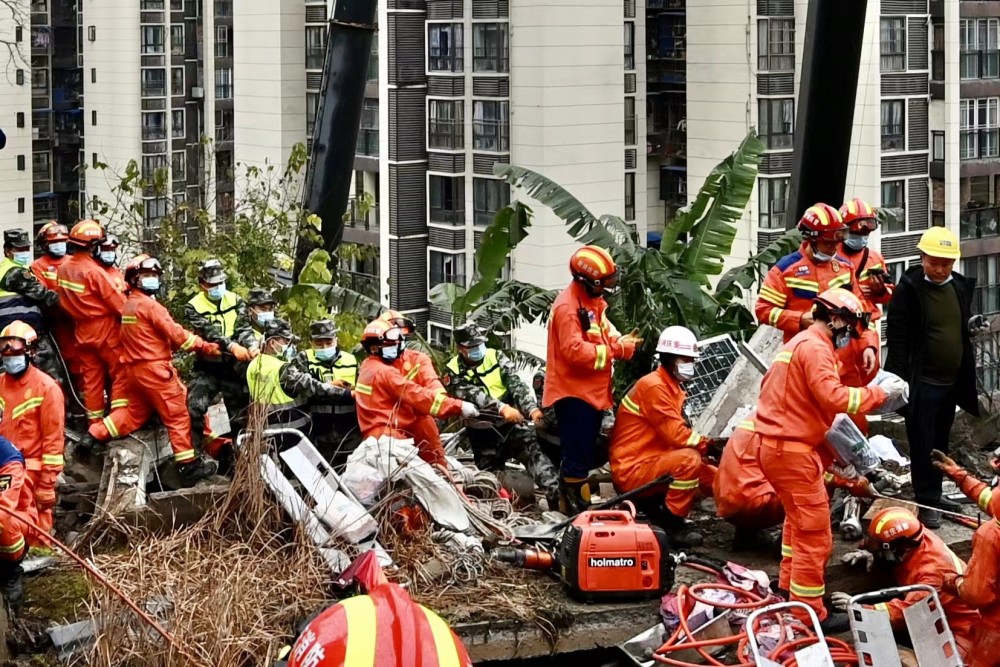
(15, 116)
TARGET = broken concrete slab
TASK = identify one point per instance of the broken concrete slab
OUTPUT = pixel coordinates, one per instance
(72, 638)
(123, 483)
(167, 511)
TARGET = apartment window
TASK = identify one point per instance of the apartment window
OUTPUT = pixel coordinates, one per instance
(153, 211)
(223, 8)
(892, 44)
(177, 81)
(222, 41)
(986, 297)
(490, 126)
(152, 39)
(629, 196)
(177, 40)
(224, 125)
(979, 128)
(772, 197)
(444, 47)
(19, 77)
(154, 82)
(151, 164)
(312, 106)
(92, 33)
(93, 160)
(40, 165)
(893, 125)
(894, 200)
(489, 195)
(490, 47)
(20, 204)
(152, 5)
(224, 83)
(368, 134)
(20, 163)
(93, 117)
(979, 49)
(630, 121)
(315, 46)
(629, 45)
(446, 196)
(776, 45)
(19, 119)
(176, 5)
(777, 122)
(93, 75)
(154, 126)
(445, 127)
(446, 268)
(178, 162)
(177, 124)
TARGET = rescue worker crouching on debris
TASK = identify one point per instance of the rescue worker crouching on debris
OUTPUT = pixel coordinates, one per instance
(335, 422)
(34, 419)
(800, 396)
(149, 337)
(88, 296)
(212, 314)
(23, 297)
(391, 404)
(14, 496)
(582, 344)
(486, 378)
(52, 238)
(282, 386)
(917, 557)
(652, 438)
(250, 325)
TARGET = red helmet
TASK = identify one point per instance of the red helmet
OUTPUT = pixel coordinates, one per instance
(52, 232)
(86, 233)
(842, 302)
(379, 334)
(141, 264)
(400, 320)
(822, 222)
(593, 266)
(859, 216)
(16, 337)
(893, 531)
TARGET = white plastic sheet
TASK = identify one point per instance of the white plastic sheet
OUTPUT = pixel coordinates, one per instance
(850, 445)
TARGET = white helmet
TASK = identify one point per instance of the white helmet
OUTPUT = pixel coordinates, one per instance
(680, 341)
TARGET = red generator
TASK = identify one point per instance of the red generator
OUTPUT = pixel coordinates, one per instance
(607, 555)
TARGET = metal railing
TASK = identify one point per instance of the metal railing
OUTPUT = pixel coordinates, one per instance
(438, 277)
(358, 219)
(367, 142)
(361, 282)
(979, 223)
(447, 216)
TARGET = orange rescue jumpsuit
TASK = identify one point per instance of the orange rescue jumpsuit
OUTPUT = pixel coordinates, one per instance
(390, 404)
(117, 278)
(14, 496)
(90, 298)
(743, 496)
(34, 419)
(800, 396)
(651, 438)
(46, 270)
(419, 368)
(149, 336)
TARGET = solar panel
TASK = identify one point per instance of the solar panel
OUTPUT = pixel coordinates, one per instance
(718, 355)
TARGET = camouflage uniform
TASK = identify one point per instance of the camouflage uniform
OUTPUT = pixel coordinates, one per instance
(250, 333)
(494, 441)
(23, 297)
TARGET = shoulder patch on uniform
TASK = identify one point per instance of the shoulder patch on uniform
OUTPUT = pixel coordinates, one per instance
(802, 270)
(5, 482)
(788, 260)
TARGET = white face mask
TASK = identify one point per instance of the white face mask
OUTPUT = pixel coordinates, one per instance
(685, 370)
(57, 249)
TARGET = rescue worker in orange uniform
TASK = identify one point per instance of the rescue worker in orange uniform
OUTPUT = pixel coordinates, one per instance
(917, 557)
(149, 337)
(869, 265)
(389, 403)
(89, 296)
(52, 238)
(34, 419)
(800, 396)
(979, 585)
(582, 344)
(14, 496)
(107, 255)
(653, 438)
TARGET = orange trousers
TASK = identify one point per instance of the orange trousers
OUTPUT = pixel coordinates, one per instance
(796, 472)
(690, 476)
(19, 498)
(426, 438)
(758, 512)
(985, 650)
(43, 516)
(152, 387)
(96, 368)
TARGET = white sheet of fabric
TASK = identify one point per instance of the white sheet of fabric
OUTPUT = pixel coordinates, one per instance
(889, 382)
(886, 450)
(364, 481)
(398, 459)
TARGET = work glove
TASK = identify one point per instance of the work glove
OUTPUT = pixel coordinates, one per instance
(840, 601)
(947, 465)
(714, 446)
(239, 352)
(510, 414)
(469, 410)
(846, 472)
(855, 558)
(859, 487)
(978, 325)
(210, 349)
(537, 416)
(895, 390)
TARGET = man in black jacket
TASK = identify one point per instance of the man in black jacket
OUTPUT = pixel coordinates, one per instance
(929, 335)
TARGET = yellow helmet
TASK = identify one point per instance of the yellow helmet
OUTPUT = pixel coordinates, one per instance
(939, 242)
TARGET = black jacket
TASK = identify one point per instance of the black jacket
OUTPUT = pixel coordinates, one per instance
(906, 322)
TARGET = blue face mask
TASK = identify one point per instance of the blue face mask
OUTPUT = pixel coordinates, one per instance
(821, 257)
(108, 257)
(856, 241)
(263, 317)
(402, 345)
(15, 365)
(289, 352)
(477, 353)
(326, 353)
(216, 292)
(22, 259)
(149, 283)
(57, 249)
(391, 353)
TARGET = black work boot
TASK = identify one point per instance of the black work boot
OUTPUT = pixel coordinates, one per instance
(197, 469)
(835, 623)
(752, 539)
(12, 585)
(89, 446)
(930, 518)
(574, 495)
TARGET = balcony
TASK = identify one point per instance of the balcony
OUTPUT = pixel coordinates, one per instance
(367, 142)
(979, 223)
(361, 282)
(438, 277)
(979, 65)
(358, 219)
(224, 133)
(315, 57)
(979, 144)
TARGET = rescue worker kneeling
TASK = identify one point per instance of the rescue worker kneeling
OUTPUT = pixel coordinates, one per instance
(485, 377)
(15, 496)
(391, 404)
(34, 418)
(652, 437)
(149, 337)
(801, 394)
(917, 556)
(335, 422)
(283, 387)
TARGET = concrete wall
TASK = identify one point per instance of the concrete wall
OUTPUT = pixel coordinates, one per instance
(15, 185)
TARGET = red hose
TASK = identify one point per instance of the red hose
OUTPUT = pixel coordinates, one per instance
(841, 652)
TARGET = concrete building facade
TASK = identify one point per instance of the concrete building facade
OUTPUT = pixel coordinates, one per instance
(15, 109)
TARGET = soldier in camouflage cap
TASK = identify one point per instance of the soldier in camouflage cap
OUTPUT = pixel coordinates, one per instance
(486, 378)
(260, 311)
